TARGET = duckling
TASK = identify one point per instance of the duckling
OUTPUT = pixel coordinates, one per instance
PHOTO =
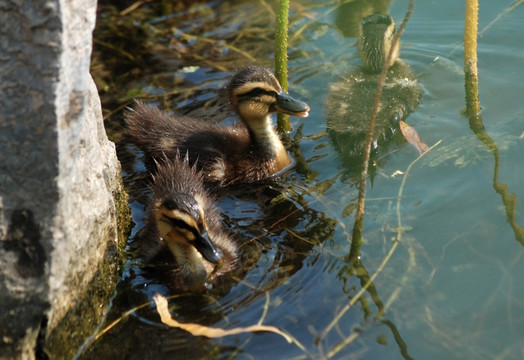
(184, 236)
(244, 153)
(350, 102)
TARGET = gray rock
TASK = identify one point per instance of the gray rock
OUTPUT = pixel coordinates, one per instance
(59, 174)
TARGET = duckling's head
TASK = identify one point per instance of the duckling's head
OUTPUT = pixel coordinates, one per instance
(187, 222)
(185, 230)
(376, 37)
(255, 93)
(181, 224)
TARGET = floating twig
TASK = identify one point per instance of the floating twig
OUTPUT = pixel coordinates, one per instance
(209, 332)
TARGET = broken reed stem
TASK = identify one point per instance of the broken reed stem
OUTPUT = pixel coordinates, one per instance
(470, 57)
(356, 240)
(283, 124)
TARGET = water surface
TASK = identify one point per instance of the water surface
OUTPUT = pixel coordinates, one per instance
(452, 289)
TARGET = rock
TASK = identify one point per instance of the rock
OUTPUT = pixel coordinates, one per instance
(59, 175)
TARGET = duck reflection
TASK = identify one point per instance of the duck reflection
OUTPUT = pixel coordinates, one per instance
(350, 101)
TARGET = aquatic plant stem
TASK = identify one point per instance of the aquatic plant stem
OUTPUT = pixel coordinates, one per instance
(283, 124)
(473, 111)
(356, 240)
(509, 200)
(470, 57)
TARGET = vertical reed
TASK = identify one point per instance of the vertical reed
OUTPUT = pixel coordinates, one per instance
(470, 57)
(283, 124)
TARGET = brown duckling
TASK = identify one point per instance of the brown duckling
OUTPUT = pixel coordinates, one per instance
(244, 153)
(184, 239)
(350, 101)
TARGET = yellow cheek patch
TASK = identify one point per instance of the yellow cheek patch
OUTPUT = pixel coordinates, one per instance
(170, 230)
(180, 235)
(254, 109)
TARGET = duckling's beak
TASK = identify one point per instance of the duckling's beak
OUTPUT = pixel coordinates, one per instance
(204, 245)
(288, 105)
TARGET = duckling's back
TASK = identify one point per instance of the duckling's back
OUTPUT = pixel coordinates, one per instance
(161, 135)
(224, 153)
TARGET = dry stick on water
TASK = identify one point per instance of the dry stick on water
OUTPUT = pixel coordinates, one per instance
(133, 7)
(196, 329)
(281, 57)
(470, 57)
(200, 330)
(356, 240)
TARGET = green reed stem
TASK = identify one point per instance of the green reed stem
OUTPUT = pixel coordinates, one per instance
(283, 124)
(470, 57)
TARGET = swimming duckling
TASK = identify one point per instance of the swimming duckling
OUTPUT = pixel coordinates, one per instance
(245, 153)
(184, 236)
(350, 102)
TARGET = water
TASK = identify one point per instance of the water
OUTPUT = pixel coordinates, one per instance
(450, 290)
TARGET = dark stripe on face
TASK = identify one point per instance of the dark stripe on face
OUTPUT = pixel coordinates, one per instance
(181, 224)
(256, 93)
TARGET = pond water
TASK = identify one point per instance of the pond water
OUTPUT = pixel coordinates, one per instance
(449, 289)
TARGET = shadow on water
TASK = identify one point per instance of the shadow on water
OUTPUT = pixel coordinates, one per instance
(293, 233)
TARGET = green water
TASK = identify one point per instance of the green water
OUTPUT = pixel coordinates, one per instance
(450, 289)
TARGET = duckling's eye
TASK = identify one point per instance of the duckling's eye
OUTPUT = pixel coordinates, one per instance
(257, 92)
(179, 224)
(396, 117)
